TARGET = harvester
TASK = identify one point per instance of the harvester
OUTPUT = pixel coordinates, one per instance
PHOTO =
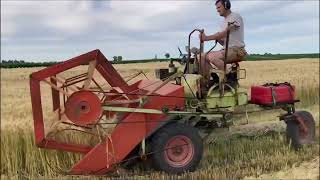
(162, 121)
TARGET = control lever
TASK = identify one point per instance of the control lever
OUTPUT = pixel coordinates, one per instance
(180, 51)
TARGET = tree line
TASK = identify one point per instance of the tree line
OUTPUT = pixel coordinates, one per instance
(119, 60)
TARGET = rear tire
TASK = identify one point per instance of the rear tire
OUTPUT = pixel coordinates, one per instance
(294, 132)
(177, 148)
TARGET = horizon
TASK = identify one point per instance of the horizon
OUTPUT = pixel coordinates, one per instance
(163, 58)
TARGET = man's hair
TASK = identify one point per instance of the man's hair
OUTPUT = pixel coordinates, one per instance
(226, 3)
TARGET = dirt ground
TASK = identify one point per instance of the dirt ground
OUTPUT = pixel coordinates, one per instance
(305, 170)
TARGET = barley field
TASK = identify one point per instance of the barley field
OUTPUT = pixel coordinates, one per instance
(250, 151)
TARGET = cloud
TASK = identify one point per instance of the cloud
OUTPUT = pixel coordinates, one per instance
(252, 7)
(288, 27)
(61, 16)
(291, 44)
(146, 15)
(75, 17)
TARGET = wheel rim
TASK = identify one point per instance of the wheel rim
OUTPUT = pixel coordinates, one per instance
(83, 107)
(179, 151)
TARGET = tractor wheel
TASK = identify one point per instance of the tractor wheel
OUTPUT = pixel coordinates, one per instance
(295, 134)
(176, 148)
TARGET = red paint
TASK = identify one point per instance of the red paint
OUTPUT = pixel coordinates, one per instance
(262, 95)
(83, 108)
(179, 151)
(101, 158)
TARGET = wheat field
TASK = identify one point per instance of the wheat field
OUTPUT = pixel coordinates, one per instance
(232, 158)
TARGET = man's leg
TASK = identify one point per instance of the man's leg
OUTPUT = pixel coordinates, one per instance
(216, 58)
(205, 64)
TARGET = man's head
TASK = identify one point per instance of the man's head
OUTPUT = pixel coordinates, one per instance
(223, 6)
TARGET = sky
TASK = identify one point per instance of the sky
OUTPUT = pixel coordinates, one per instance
(59, 30)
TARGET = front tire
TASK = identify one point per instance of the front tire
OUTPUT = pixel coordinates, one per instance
(176, 148)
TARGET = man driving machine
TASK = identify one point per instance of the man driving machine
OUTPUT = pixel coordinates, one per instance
(236, 46)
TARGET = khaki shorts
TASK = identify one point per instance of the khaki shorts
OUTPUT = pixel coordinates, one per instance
(235, 54)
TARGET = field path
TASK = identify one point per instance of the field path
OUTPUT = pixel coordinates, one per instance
(306, 170)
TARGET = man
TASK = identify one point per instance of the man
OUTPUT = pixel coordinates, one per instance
(236, 44)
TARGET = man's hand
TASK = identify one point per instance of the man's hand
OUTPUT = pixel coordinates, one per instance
(215, 36)
(221, 42)
(232, 26)
(203, 37)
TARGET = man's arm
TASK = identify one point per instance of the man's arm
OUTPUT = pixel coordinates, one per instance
(219, 35)
(216, 36)
(221, 42)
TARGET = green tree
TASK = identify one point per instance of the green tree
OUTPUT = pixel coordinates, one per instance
(167, 55)
(115, 58)
(119, 58)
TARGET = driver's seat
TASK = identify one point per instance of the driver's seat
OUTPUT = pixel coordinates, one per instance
(232, 75)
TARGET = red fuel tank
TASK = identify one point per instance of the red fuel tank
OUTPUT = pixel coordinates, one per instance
(272, 94)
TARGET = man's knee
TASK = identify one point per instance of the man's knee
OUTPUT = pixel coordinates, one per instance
(203, 57)
(214, 56)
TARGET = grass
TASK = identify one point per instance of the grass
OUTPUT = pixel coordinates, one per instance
(305, 170)
(239, 155)
(30, 161)
(236, 157)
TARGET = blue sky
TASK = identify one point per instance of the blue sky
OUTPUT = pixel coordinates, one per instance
(59, 30)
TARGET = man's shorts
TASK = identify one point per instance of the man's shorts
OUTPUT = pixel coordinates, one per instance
(235, 54)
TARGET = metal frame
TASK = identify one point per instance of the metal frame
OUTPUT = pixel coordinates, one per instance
(125, 136)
